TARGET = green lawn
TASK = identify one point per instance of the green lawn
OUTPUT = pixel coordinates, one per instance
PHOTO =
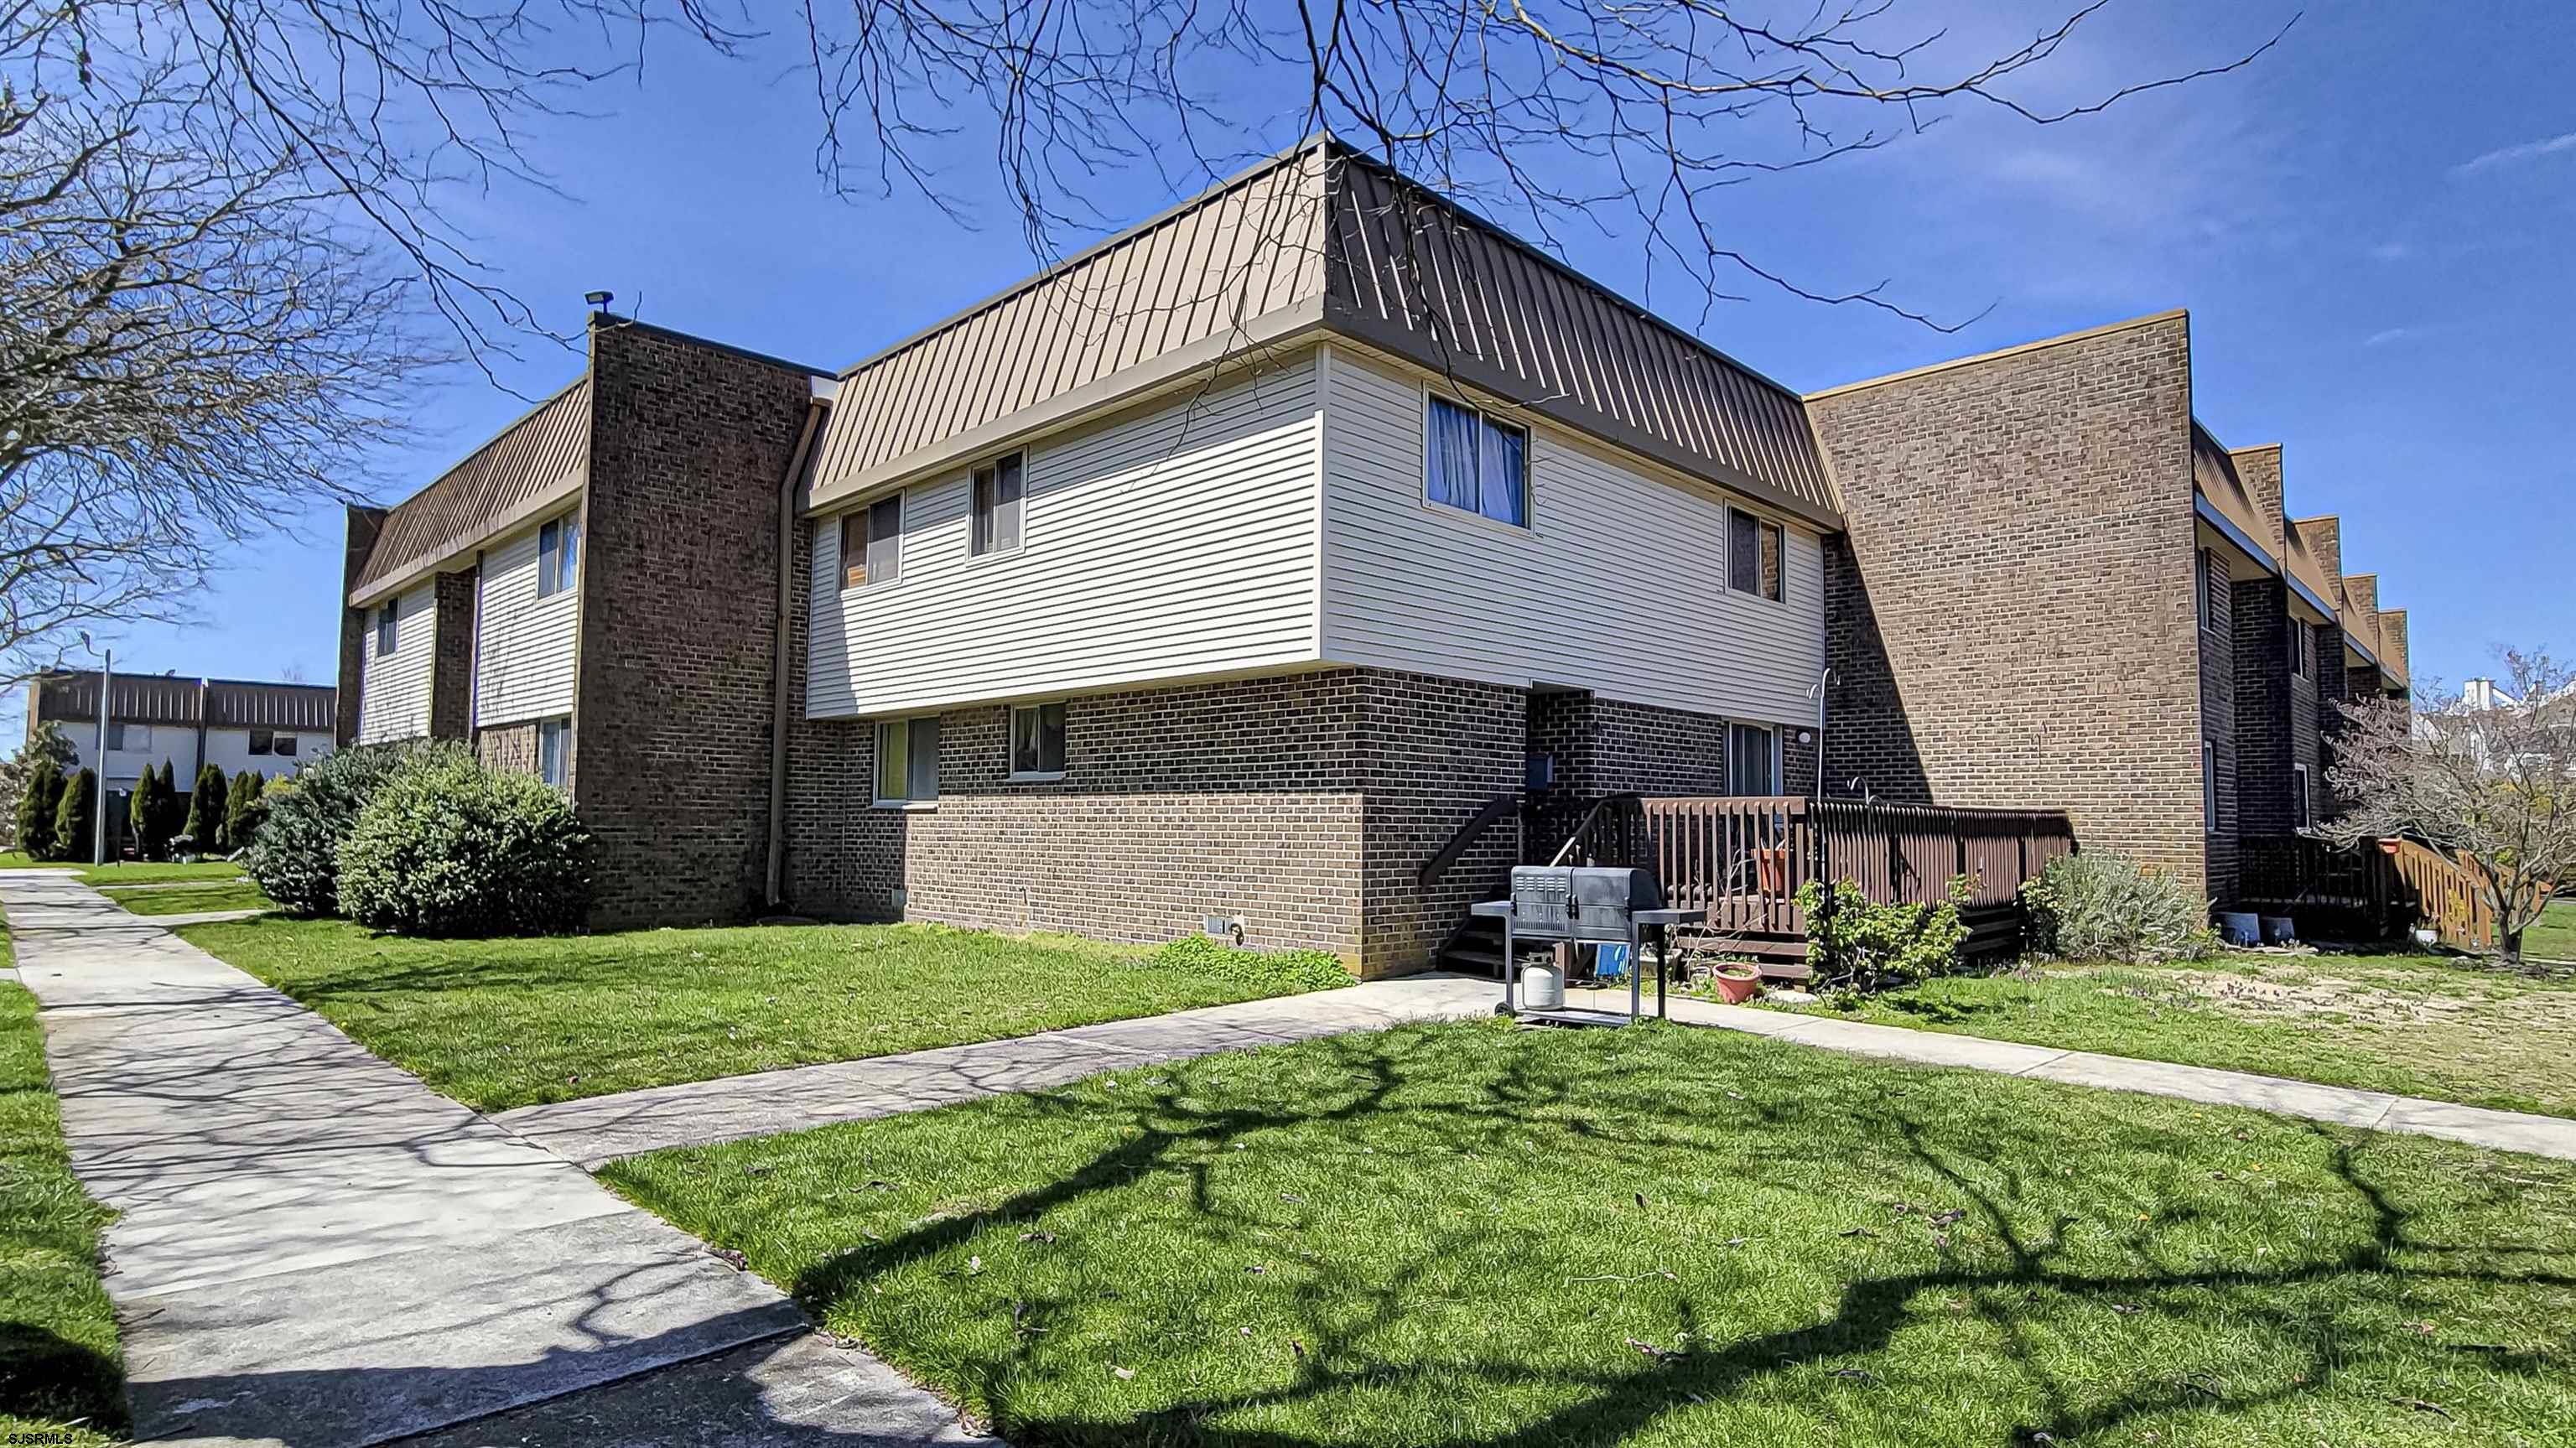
(136, 873)
(1462, 1235)
(502, 1023)
(192, 899)
(2554, 938)
(2415, 1025)
(60, 1381)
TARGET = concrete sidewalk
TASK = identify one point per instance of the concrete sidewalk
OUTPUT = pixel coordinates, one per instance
(2377, 1110)
(316, 1249)
(702, 1113)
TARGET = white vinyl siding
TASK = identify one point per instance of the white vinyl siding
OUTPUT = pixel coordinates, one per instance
(523, 654)
(393, 689)
(1618, 586)
(1178, 542)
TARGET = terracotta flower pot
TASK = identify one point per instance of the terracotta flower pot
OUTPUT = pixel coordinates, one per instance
(1736, 983)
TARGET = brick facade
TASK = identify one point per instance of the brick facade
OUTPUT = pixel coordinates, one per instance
(690, 445)
(2010, 617)
(451, 667)
(1431, 753)
(2218, 724)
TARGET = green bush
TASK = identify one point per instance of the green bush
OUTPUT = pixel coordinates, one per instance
(244, 807)
(295, 855)
(150, 812)
(2099, 906)
(37, 808)
(448, 847)
(205, 823)
(1863, 945)
(76, 819)
(1281, 969)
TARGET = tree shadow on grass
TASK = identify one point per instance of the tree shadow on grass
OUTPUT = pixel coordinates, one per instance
(48, 1378)
(2023, 1285)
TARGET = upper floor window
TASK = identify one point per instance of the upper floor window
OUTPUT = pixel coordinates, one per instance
(1752, 759)
(1037, 741)
(1477, 464)
(385, 629)
(872, 542)
(2303, 648)
(1753, 555)
(262, 742)
(129, 736)
(2205, 578)
(2302, 802)
(554, 751)
(908, 760)
(558, 555)
(998, 485)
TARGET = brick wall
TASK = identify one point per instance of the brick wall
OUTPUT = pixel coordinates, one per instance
(2264, 741)
(451, 666)
(689, 444)
(1432, 752)
(2010, 615)
(2218, 725)
(363, 526)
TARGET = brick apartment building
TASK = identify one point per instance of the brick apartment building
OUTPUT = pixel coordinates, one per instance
(1224, 571)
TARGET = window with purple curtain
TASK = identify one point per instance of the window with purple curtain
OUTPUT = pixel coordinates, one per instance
(1476, 465)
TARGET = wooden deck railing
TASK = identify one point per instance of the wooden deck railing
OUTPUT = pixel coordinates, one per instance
(1742, 858)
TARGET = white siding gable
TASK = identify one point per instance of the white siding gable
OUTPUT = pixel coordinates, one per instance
(523, 647)
(1619, 587)
(393, 689)
(1174, 543)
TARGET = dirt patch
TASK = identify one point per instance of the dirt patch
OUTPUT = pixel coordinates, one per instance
(2262, 998)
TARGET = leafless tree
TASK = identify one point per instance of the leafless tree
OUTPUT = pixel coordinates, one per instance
(2492, 783)
(221, 221)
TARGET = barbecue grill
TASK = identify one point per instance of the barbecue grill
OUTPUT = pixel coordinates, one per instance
(1585, 904)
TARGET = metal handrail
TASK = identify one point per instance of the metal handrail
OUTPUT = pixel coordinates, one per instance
(1466, 837)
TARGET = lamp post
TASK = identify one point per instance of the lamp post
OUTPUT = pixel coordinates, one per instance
(98, 830)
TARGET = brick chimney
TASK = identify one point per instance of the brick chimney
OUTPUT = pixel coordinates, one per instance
(2392, 645)
(2324, 537)
(2361, 590)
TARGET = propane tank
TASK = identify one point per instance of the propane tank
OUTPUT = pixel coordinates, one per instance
(1543, 985)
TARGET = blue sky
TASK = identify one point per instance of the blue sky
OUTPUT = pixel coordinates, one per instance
(2371, 228)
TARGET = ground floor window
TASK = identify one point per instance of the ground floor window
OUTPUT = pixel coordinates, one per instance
(1752, 759)
(2209, 786)
(908, 760)
(1037, 741)
(554, 752)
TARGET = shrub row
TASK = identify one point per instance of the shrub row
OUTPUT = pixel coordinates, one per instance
(422, 839)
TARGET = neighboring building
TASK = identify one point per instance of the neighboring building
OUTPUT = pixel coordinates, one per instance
(269, 729)
(2057, 588)
(1222, 573)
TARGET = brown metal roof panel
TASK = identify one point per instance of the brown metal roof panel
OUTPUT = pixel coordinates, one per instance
(543, 448)
(238, 704)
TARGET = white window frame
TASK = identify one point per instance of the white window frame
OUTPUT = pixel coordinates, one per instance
(1761, 525)
(902, 500)
(2204, 578)
(2303, 799)
(2302, 653)
(263, 743)
(553, 574)
(558, 771)
(976, 547)
(286, 744)
(388, 629)
(1011, 743)
(2209, 785)
(876, 765)
(1779, 761)
(1484, 418)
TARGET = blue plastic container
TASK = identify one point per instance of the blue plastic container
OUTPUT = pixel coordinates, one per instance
(1610, 962)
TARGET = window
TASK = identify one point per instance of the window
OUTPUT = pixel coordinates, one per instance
(871, 542)
(558, 555)
(1037, 741)
(908, 760)
(1476, 464)
(286, 746)
(998, 485)
(2209, 786)
(2204, 578)
(129, 736)
(262, 742)
(385, 630)
(2300, 801)
(1752, 759)
(2303, 648)
(1753, 559)
(554, 751)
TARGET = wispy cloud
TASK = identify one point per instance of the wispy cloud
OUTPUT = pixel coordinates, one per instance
(2386, 335)
(2391, 251)
(2514, 155)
